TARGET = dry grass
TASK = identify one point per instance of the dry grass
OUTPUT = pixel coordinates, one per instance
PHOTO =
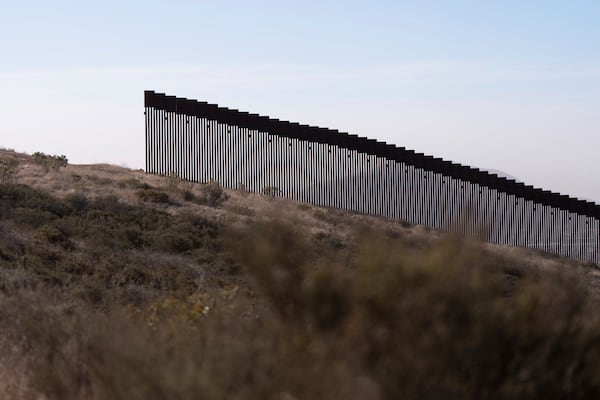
(106, 294)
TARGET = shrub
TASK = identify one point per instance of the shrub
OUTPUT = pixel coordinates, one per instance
(133, 183)
(241, 187)
(99, 180)
(175, 183)
(77, 201)
(213, 193)
(440, 322)
(183, 234)
(153, 195)
(33, 206)
(8, 169)
(188, 195)
(48, 161)
(271, 191)
(149, 305)
(51, 234)
(242, 210)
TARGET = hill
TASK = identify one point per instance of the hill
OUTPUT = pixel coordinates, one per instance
(115, 284)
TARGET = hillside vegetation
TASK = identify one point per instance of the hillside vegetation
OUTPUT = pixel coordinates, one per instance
(115, 284)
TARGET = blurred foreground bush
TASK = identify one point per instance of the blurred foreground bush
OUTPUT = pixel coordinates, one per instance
(450, 321)
(123, 302)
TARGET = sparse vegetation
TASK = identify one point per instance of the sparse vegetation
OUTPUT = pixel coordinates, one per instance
(175, 184)
(242, 210)
(210, 194)
(106, 299)
(213, 193)
(49, 162)
(242, 188)
(133, 184)
(100, 180)
(8, 169)
(153, 195)
(271, 191)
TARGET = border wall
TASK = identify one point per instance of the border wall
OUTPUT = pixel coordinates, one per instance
(202, 142)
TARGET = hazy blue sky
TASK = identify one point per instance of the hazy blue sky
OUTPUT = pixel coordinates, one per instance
(508, 85)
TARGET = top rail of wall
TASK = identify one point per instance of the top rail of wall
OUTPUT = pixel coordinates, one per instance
(369, 146)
